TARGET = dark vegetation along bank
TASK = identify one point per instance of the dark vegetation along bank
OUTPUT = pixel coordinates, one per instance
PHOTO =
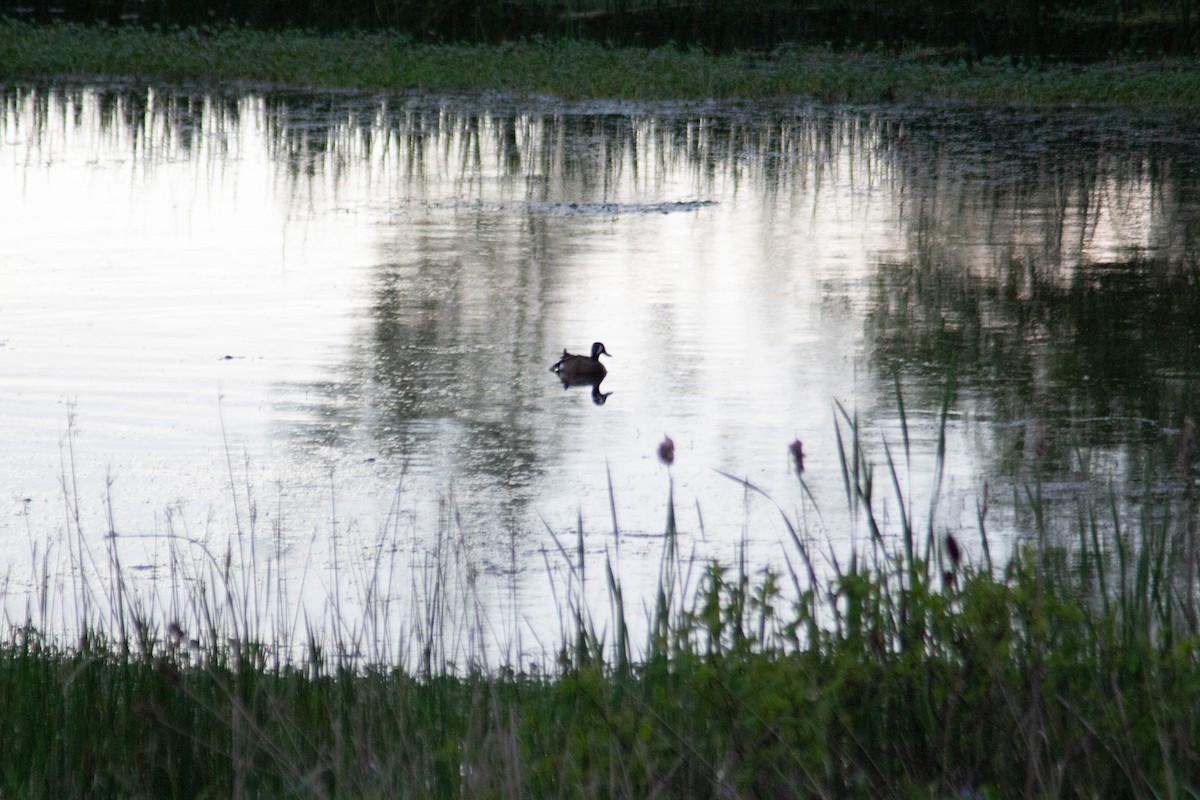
(1063, 29)
(573, 70)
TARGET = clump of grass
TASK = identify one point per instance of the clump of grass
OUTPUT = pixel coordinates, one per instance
(906, 668)
(572, 69)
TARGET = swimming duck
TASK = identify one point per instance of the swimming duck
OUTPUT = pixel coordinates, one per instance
(573, 367)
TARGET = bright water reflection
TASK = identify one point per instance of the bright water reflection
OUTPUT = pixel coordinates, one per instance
(320, 317)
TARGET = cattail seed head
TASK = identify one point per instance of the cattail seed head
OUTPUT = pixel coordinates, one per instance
(953, 550)
(797, 451)
(666, 451)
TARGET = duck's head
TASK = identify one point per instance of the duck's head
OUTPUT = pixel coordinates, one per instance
(597, 349)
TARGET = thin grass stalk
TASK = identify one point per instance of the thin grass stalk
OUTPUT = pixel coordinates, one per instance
(621, 645)
(1192, 550)
(864, 484)
(939, 462)
(902, 505)
(981, 512)
(612, 508)
(116, 598)
(582, 644)
(81, 555)
(851, 496)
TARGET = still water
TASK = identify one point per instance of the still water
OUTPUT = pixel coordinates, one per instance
(318, 328)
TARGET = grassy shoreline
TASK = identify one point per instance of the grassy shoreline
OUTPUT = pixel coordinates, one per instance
(911, 670)
(1051, 678)
(577, 70)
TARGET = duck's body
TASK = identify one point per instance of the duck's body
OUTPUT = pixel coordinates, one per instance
(576, 368)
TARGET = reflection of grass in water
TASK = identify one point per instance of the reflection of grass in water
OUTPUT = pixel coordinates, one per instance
(571, 69)
(906, 668)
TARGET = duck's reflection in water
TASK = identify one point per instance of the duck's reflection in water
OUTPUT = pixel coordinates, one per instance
(598, 397)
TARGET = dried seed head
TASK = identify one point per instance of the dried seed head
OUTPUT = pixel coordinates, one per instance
(797, 451)
(666, 451)
(953, 550)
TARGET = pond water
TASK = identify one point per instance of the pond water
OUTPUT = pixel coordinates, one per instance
(315, 329)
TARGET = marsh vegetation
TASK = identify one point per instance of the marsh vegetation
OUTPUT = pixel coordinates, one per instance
(909, 668)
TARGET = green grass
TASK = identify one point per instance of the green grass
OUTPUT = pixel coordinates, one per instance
(1071, 670)
(574, 69)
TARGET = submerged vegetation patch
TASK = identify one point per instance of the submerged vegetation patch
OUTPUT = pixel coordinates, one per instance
(907, 668)
(574, 69)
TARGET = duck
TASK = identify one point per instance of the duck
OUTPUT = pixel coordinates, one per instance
(577, 368)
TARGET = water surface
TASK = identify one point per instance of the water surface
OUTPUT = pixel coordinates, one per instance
(326, 321)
